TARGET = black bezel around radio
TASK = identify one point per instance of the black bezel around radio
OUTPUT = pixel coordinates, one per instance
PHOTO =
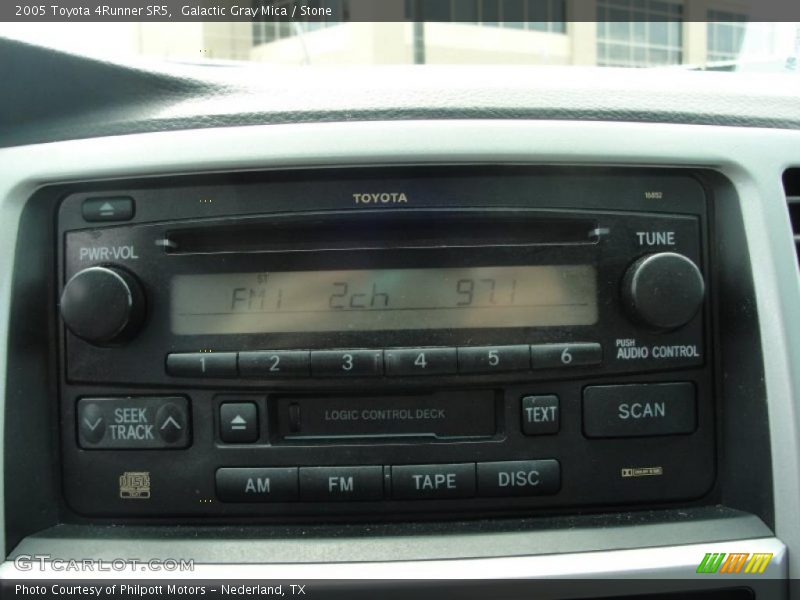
(306, 427)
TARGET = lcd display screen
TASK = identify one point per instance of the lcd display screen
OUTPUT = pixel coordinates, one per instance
(384, 299)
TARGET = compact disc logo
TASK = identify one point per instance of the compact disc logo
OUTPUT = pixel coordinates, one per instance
(381, 198)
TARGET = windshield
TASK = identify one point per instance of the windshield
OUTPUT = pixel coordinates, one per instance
(684, 34)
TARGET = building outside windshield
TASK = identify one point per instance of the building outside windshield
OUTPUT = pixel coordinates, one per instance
(699, 34)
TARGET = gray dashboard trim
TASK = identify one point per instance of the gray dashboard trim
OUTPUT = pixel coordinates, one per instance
(752, 158)
(373, 543)
(677, 563)
(98, 98)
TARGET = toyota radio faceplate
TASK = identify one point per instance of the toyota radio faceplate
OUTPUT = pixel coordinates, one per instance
(386, 341)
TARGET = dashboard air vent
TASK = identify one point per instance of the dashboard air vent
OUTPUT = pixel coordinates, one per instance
(791, 186)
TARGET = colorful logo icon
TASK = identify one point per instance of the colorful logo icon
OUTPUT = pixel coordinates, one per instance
(734, 563)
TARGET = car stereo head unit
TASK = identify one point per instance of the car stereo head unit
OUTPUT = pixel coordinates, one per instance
(472, 340)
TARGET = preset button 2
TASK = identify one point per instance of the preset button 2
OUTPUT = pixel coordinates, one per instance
(275, 364)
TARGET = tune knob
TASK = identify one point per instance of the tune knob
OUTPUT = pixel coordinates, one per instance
(103, 305)
(663, 291)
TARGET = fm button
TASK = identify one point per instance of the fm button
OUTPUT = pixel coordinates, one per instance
(325, 484)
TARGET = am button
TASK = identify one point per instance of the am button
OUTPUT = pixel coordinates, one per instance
(271, 484)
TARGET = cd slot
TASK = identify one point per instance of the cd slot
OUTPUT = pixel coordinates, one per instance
(380, 230)
(435, 416)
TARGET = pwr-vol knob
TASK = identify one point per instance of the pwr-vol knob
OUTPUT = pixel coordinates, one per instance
(663, 291)
(103, 305)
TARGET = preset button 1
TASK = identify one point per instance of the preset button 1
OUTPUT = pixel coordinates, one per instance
(202, 364)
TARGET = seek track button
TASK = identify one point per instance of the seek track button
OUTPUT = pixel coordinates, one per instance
(92, 423)
(170, 422)
(140, 423)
